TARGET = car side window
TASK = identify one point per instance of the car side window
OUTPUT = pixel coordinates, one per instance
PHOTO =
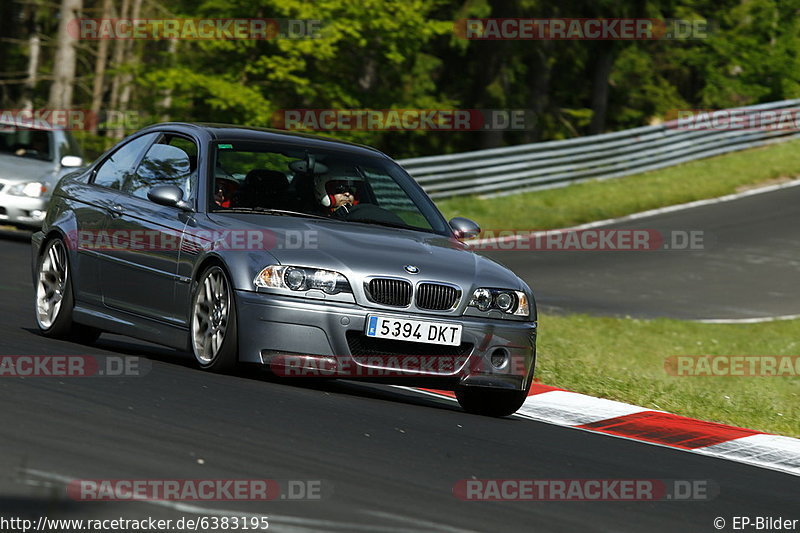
(171, 161)
(114, 170)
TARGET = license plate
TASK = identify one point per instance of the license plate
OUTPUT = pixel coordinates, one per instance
(384, 327)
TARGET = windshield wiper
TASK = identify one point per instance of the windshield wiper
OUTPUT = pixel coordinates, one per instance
(268, 211)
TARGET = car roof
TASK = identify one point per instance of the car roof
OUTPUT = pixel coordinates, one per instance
(231, 132)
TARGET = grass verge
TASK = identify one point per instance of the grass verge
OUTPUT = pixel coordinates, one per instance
(598, 200)
(624, 359)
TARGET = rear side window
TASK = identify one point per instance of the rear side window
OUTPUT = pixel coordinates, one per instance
(119, 167)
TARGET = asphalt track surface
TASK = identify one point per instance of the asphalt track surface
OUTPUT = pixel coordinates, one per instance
(747, 267)
(387, 458)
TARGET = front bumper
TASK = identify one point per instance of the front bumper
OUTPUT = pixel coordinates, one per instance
(318, 338)
(22, 210)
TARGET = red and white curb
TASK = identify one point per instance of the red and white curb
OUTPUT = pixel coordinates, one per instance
(564, 408)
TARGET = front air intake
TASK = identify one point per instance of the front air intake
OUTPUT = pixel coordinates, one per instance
(389, 291)
(437, 296)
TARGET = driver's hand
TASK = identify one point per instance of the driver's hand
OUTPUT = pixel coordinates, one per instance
(342, 211)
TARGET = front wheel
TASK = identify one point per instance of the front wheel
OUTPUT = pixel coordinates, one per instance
(490, 402)
(214, 338)
(55, 299)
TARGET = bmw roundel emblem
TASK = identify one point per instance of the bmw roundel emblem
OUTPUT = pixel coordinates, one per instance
(411, 269)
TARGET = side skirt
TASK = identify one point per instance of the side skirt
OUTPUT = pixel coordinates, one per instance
(122, 323)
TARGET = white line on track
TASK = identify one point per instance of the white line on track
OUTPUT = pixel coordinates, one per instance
(284, 522)
(757, 320)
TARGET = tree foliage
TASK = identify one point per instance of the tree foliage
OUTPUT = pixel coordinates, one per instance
(389, 54)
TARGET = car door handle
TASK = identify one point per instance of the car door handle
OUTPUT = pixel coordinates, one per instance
(116, 211)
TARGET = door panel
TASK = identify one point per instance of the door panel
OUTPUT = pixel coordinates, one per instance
(92, 204)
(141, 272)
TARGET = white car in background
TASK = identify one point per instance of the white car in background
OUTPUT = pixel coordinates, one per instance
(32, 160)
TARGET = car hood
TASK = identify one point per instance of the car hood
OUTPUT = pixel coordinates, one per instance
(14, 169)
(359, 250)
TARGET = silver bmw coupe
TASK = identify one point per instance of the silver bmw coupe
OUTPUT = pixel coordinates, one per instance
(305, 255)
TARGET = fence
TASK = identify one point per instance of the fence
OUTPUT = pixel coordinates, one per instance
(544, 165)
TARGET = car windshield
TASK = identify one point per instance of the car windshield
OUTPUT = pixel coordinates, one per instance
(299, 181)
(26, 142)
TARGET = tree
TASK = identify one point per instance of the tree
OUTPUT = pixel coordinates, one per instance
(98, 85)
(64, 64)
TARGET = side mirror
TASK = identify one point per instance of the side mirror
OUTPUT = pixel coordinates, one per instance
(464, 228)
(168, 195)
(71, 161)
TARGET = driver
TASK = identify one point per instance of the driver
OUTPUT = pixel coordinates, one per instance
(223, 191)
(337, 193)
(341, 196)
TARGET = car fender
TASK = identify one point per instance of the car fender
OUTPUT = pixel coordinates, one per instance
(242, 265)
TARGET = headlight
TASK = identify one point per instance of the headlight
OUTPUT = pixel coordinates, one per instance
(302, 279)
(507, 301)
(32, 189)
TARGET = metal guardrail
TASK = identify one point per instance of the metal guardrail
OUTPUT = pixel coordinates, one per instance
(546, 165)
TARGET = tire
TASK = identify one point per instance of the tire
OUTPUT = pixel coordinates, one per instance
(490, 402)
(213, 333)
(54, 300)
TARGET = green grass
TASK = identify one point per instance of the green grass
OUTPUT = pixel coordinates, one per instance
(623, 359)
(598, 200)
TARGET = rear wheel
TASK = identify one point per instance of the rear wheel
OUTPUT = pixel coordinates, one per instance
(54, 297)
(214, 335)
(490, 402)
